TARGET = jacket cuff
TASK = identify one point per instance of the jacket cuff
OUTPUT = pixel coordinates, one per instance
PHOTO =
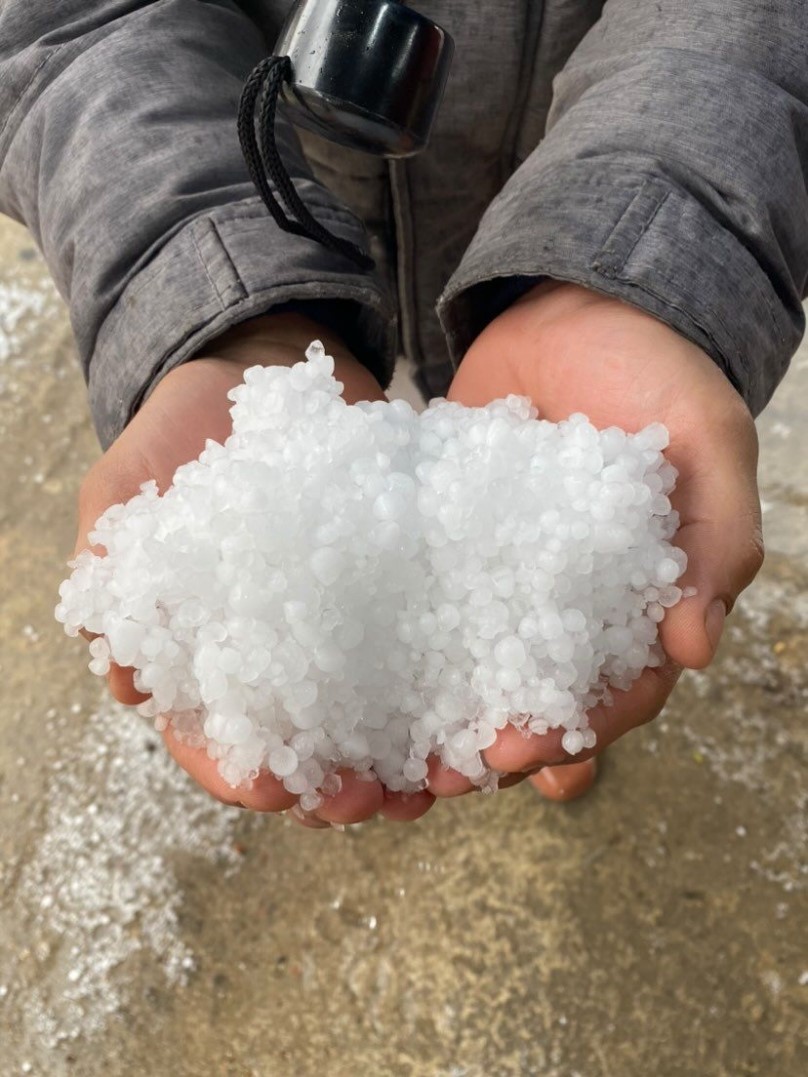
(218, 270)
(639, 238)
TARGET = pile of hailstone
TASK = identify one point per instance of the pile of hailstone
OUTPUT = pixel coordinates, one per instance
(365, 587)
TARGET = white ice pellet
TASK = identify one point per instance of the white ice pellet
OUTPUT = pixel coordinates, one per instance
(283, 762)
(414, 770)
(362, 587)
(667, 570)
(510, 652)
(589, 738)
(572, 742)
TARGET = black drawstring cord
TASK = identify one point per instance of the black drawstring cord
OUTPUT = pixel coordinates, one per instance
(264, 161)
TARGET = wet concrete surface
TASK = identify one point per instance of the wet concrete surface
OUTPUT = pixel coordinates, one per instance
(657, 927)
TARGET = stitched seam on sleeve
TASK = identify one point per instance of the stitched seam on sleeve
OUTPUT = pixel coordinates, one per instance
(255, 222)
(326, 215)
(29, 83)
(617, 271)
(634, 222)
(252, 208)
(204, 264)
(238, 284)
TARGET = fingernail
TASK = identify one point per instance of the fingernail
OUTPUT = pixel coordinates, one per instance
(309, 819)
(714, 621)
(567, 782)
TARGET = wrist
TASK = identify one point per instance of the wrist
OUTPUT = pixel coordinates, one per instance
(561, 297)
(558, 312)
(278, 337)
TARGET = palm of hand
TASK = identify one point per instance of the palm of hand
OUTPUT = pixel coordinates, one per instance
(189, 406)
(571, 350)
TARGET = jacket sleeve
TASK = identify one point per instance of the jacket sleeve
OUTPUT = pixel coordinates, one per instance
(118, 150)
(673, 176)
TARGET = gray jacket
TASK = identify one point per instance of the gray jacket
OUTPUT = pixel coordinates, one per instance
(655, 150)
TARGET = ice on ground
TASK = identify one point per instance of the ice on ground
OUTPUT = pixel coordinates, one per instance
(99, 888)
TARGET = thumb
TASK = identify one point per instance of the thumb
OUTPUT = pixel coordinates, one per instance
(721, 534)
(113, 479)
(109, 482)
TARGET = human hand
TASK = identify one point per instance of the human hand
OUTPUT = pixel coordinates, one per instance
(189, 406)
(572, 350)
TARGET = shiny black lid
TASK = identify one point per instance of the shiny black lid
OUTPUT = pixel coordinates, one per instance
(369, 74)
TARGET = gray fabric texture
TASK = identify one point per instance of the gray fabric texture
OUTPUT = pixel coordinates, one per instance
(654, 150)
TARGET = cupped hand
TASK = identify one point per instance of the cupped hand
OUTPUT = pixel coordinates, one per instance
(568, 350)
(189, 406)
(572, 350)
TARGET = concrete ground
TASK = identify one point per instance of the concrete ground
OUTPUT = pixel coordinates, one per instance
(657, 927)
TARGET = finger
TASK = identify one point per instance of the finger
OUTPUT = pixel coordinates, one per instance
(517, 752)
(514, 751)
(406, 807)
(122, 687)
(264, 794)
(567, 782)
(120, 679)
(109, 482)
(720, 532)
(356, 801)
(507, 781)
(445, 782)
(308, 819)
